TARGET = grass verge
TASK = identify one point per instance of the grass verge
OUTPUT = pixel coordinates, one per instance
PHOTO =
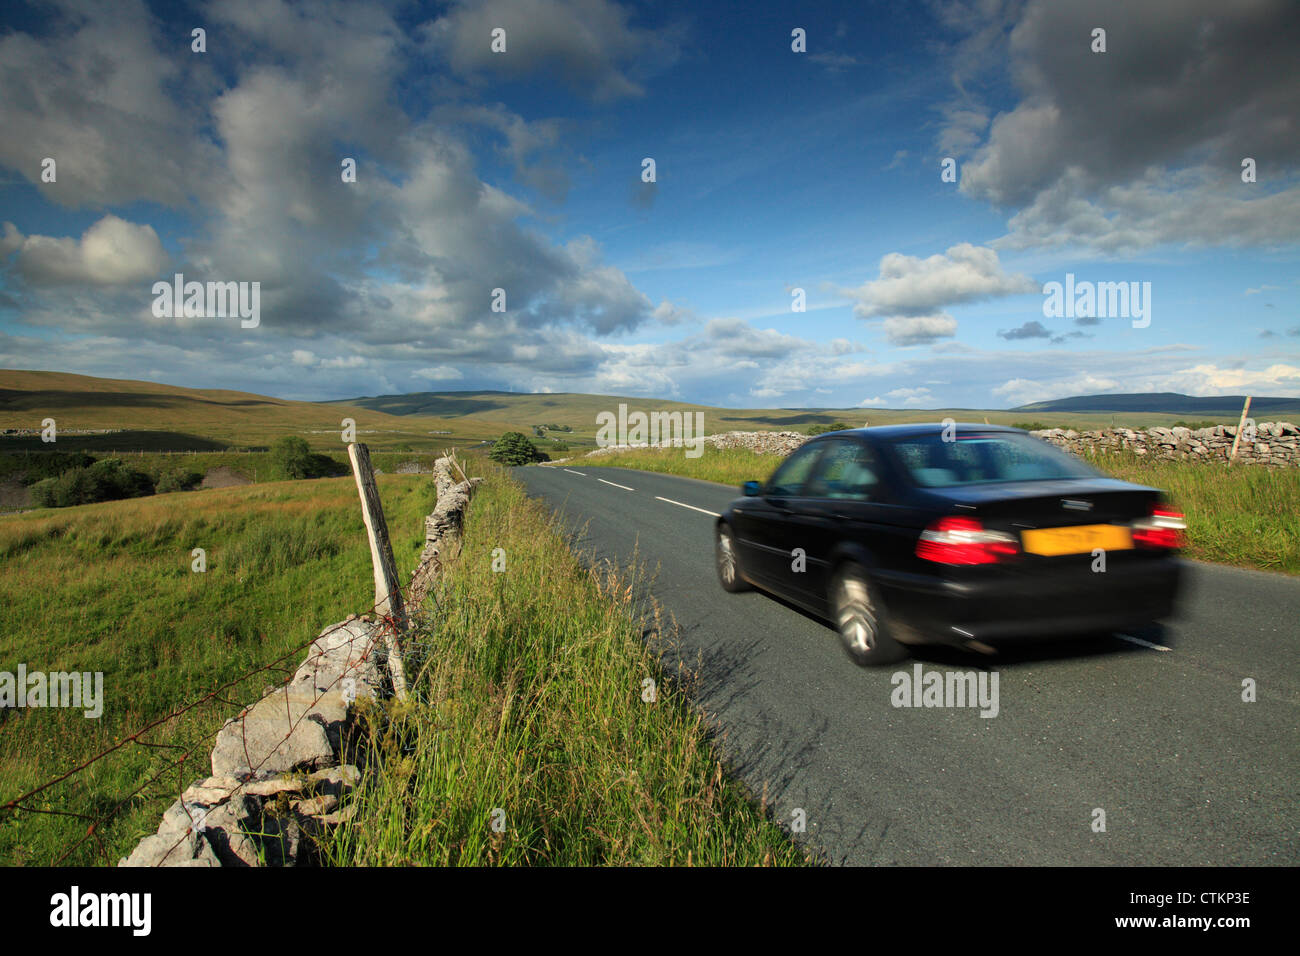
(109, 587)
(529, 710)
(1245, 515)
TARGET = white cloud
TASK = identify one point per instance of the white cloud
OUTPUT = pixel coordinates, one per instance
(1141, 145)
(919, 329)
(111, 252)
(588, 44)
(910, 291)
(439, 373)
(912, 286)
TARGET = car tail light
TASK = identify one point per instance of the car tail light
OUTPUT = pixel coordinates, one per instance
(956, 540)
(1163, 528)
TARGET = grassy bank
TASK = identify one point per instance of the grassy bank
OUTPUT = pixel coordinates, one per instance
(529, 701)
(1244, 515)
(182, 469)
(109, 587)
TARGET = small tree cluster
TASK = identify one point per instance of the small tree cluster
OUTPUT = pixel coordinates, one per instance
(294, 457)
(832, 427)
(106, 480)
(514, 448)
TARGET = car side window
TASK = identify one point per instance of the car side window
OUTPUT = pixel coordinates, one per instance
(848, 470)
(790, 477)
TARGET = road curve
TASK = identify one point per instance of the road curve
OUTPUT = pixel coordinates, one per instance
(1186, 772)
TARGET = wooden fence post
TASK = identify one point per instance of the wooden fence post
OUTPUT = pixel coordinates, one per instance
(1236, 439)
(388, 593)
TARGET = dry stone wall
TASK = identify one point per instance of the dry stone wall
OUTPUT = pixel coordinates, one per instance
(1274, 444)
(281, 768)
(1271, 443)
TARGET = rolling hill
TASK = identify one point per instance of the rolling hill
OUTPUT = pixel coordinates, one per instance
(1171, 403)
(100, 414)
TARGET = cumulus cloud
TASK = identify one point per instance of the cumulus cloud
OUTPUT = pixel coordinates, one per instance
(439, 373)
(399, 266)
(906, 330)
(1030, 330)
(111, 252)
(1142, 144)
(739, 338)
(95, 95)
(666, 313)
(910, 291)
(590, 44)
(909, 285)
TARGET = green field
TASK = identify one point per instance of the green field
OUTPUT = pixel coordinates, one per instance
(151, 417)
(109, 587)
(1245, 515)
(527, 693)
(146, 416)
(531, 700)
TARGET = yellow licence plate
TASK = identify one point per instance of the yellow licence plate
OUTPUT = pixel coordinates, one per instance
(1077, 540)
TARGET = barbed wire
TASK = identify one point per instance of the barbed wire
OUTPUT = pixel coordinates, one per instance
(386, 626)
(416, 621)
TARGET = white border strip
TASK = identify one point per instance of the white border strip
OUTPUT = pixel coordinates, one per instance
(1139, 641)
(681, 504)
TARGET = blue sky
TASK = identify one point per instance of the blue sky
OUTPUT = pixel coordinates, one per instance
(775, 170)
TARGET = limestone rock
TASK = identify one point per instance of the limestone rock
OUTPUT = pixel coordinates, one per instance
(290, 729)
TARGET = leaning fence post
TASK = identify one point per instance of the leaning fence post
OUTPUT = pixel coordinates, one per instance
(1236, 439)
(388, 594)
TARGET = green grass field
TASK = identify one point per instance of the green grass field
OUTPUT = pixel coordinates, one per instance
(109, 587)
(146, 416)
(158, 417)
(528, 692)
(530, 701)
(1244, 515)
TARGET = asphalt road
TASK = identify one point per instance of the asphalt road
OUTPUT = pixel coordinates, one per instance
(1159, 739)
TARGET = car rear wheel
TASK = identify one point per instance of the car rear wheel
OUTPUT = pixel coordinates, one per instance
(861, 620)
(729, 573)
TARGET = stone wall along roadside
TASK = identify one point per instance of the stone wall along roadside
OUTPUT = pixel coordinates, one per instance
(278, 772)
(1275, 444)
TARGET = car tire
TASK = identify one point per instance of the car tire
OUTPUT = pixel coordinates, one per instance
(727, 559)
(860, 618)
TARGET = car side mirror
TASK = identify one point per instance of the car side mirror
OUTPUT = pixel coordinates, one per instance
(751, 489)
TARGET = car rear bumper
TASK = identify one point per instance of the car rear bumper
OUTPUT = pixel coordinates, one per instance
(989, 603)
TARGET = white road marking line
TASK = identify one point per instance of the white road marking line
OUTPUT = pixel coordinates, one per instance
(1138, 640)
(692, 507)
(616, 485)
(572, 472)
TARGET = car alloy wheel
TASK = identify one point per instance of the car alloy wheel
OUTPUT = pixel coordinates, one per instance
(860, 620)
(728, 561)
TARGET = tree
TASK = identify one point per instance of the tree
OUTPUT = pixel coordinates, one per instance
(823, 429)
(514, 448)
(293, 456)
(107, 480)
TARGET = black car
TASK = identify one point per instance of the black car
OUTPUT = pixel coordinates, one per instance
(951, 533)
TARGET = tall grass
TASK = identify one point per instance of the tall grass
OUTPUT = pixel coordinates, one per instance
(728, 466)
(528, 710)
(109, 587)
(1243, 515)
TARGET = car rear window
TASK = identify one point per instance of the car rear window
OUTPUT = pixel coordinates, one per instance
(985, 458)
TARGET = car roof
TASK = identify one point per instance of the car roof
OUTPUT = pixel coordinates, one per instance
(915, 429)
